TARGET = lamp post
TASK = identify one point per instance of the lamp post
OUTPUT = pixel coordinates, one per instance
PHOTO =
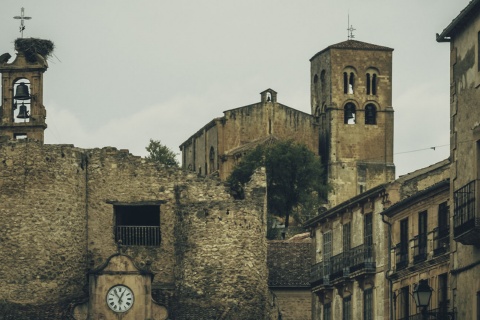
(422, 294)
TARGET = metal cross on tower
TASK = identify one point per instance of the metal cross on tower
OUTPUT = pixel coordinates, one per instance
(22, 19)
(350, 30)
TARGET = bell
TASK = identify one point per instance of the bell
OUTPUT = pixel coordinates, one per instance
(23, 113)
(22, 92)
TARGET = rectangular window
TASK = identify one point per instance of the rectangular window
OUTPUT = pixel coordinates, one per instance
(346, 237)
(368, 230)
(443, 292)
(368, 304)
(421, 249)
(402, 249)
(404, 304)
(347, 308)
(327, 311)
(137, 225)
(327, 252)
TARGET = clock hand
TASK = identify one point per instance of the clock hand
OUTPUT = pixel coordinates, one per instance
(120, 298)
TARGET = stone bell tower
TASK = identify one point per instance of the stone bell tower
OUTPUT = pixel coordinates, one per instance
(351, 97)
(22, 113)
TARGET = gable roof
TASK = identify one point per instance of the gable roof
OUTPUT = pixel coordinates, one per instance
(354, 45)
(289, 263)
(470, 11)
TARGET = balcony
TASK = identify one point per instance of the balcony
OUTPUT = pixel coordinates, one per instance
(356, 261)
(320, 274)
(138, 235)
(401, 256)
(466, 220)
(419, 248)
(362, 260)
(441, 240)
(340, 266)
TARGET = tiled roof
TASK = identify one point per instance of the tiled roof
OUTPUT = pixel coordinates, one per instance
(289, 263)
(354, 45)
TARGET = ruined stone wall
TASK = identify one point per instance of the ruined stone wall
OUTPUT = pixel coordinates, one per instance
(43, 238)
(115, 176)
(58, 222)
(221, 253)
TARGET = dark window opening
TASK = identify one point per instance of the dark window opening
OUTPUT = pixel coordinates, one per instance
(368, 83)
(370, 114)
(368, 304)
(420, 243)
(211, 158)
(20, 136)
(443, 292)
(349, 114)
(368, 230)
(346, 237)
(351, 83)
(137, 225)
(21, 101)
(327, 311)
(374, 84)
(404, 301)
(402, 247)
(347, 308)
(315, 78)
(345, 82)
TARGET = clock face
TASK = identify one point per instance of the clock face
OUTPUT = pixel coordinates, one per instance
(120, 298)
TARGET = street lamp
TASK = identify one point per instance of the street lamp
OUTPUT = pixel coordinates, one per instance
(422, 294)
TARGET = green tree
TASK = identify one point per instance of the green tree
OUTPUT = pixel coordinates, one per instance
(295, 178)
(160, 153)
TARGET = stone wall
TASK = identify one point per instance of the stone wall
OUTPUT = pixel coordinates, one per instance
(58, 222)
(221, 253)
(43, 244)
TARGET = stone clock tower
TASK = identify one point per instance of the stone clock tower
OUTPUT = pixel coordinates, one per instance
(22, 113)
(351, 97)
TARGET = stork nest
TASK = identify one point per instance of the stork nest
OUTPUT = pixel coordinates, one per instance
(30, 47)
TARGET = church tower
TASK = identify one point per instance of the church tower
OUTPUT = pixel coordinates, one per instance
(351, 97)
(22, 113)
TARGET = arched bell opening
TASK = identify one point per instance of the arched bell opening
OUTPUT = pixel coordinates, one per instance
(22, 100)
(349, 113)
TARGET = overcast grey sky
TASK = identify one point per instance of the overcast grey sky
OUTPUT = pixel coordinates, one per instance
(127, 71)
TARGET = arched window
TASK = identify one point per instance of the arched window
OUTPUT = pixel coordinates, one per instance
(315, 78)
(368, 83)
(349, 113)
(371, 81)
(370, 114)
(349, 80)
(21, 101)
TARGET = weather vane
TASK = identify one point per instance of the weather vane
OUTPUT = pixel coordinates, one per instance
(22, 19)
(350, 30)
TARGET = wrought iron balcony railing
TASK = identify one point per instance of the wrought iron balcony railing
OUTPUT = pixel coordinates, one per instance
(359, 259)
(466, 219)
(138, 235)
(441, 240)
(419, 248)
(320, 273)
(362, 258)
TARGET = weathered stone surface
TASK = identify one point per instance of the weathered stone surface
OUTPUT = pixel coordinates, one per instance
(58, 222)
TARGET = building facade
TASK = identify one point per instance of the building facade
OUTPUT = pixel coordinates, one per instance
(351, 97)
(220, 144)
(463, 35)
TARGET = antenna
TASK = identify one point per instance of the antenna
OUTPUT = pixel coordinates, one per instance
(22, 19)
(350, 29)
